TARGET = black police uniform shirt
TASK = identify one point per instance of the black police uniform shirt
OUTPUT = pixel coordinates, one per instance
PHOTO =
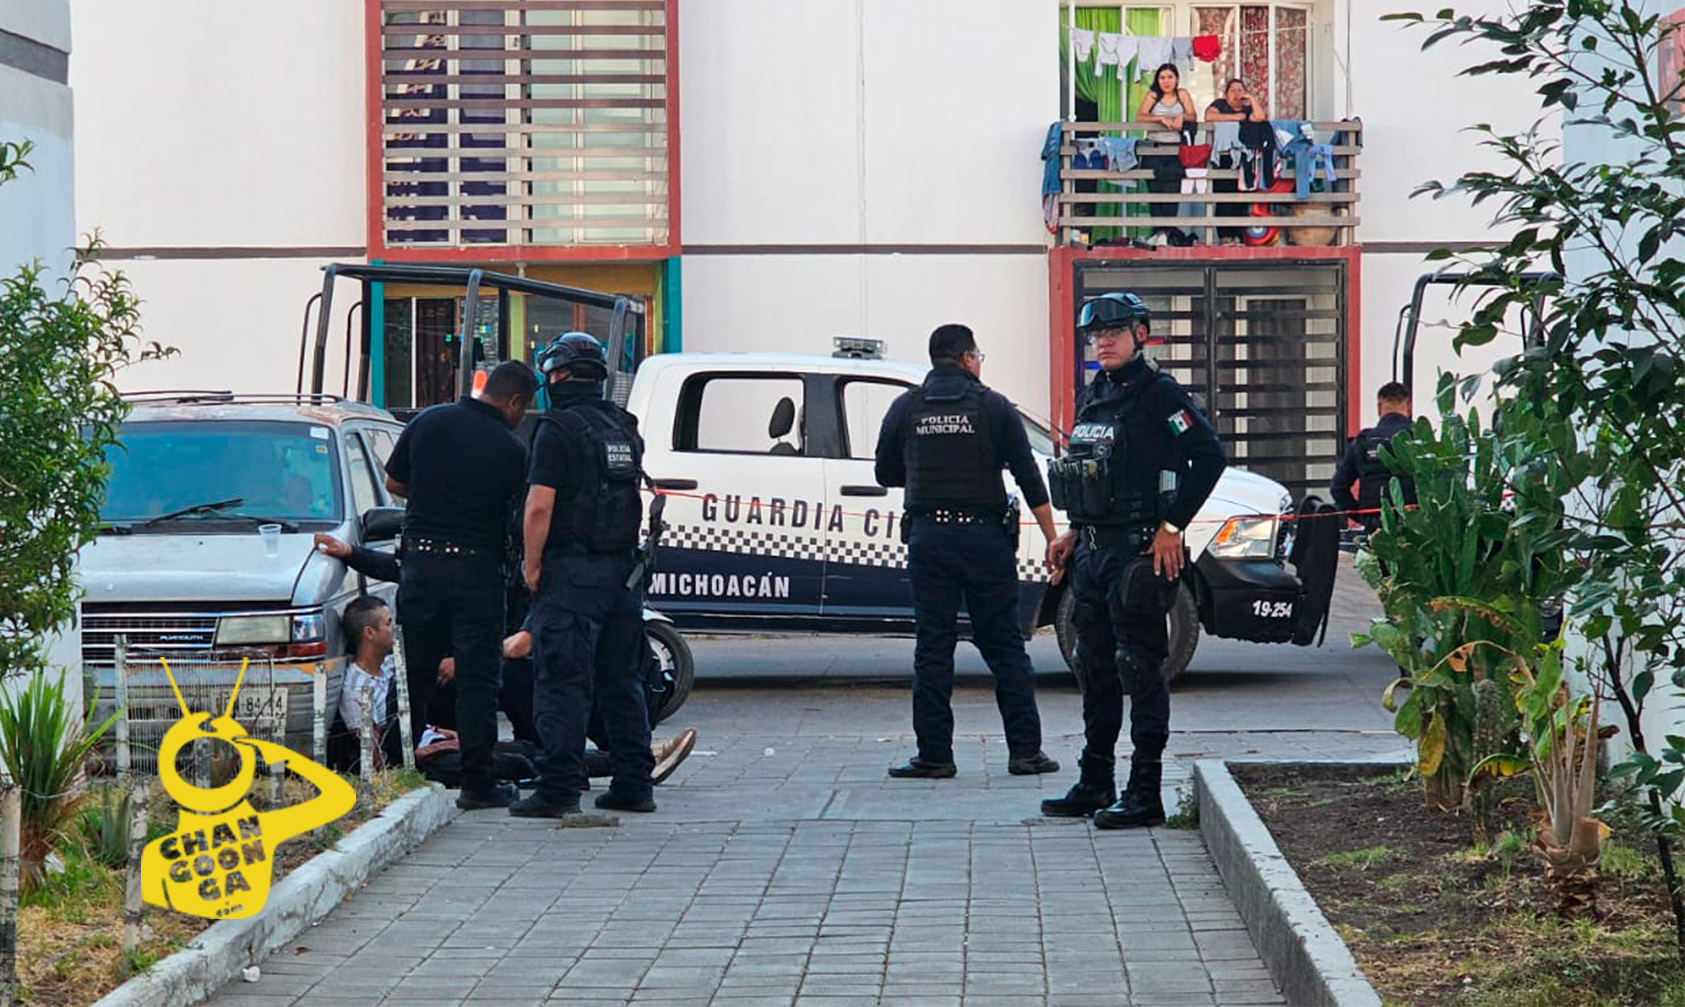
(1164, 431)
(464, 468)
(1008, 446)
(1361, 465)
(561, 462)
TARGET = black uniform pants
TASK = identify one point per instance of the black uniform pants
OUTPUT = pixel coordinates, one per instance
(588, 640)
(1120, 651)
(974, 564)
(453, 605)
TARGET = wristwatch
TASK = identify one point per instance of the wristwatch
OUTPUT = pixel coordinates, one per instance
(1167, 526)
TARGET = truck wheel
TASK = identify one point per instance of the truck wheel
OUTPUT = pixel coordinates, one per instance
(668, 683)
(1184, 634)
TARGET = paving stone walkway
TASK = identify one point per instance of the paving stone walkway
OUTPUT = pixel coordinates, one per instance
(784, 868)
(800, 877)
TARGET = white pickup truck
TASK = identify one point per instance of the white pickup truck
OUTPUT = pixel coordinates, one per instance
(776, 523)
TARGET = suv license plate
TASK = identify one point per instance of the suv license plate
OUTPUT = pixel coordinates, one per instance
(256, 704)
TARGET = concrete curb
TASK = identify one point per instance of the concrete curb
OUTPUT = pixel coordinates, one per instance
(300, 899)
(1310, 963)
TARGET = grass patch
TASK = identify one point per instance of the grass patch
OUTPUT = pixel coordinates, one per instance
(1360, 860)
(1627, 862)
(1186, 815)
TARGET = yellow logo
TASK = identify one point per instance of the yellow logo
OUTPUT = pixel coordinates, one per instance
(219, 862)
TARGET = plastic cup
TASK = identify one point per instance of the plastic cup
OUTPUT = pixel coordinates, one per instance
(271, 538)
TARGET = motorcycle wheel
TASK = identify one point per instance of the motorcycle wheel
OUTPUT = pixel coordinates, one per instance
(668, 683)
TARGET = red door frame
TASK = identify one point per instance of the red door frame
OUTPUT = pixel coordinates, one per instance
(374, 186)
(1061, 276)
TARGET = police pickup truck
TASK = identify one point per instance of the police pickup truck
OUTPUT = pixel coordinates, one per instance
(776, 524)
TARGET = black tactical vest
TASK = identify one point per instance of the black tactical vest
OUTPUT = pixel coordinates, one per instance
(1092, 482)
(949, 450)
(603, 513)
(1373, 474)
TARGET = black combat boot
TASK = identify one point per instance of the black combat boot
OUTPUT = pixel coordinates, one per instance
(1094, 790)
(1137, 809)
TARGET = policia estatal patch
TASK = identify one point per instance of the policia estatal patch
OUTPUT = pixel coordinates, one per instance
(1180, 422)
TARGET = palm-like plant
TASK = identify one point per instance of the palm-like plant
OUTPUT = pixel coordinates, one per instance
(44, 747)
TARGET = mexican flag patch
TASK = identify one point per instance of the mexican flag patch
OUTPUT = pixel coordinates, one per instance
(1180, 421)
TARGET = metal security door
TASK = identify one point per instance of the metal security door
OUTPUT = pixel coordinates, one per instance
(1260, 346)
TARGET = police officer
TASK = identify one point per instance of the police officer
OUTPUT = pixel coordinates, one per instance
(1141, 462)
(1362, 461)
(461, 469)
(582, 523)
(947, 442)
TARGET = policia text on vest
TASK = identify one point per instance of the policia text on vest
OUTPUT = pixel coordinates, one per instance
(1141, 463)
(947, 442)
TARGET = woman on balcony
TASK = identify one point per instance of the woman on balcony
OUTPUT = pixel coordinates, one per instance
(1237, 106)
(1168, 106)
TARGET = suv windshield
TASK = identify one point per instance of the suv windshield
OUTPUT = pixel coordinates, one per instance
(274, 470)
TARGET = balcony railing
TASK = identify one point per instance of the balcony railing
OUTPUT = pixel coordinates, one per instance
(1327, 217)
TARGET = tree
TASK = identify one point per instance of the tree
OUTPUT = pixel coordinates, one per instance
(59, 412)
(1602, 394)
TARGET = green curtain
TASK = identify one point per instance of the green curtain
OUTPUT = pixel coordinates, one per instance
(1116, 100)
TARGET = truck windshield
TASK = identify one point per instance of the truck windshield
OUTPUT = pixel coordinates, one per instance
(274, 470)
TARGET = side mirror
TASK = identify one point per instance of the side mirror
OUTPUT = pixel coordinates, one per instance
(382, 524)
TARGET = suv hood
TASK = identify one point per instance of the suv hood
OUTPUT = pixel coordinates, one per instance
(169, 568)
(1249, 493)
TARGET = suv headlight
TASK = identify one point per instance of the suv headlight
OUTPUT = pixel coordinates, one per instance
(1251, 537)
(242, 630)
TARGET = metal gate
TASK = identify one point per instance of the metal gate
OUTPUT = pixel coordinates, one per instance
(1260, 345)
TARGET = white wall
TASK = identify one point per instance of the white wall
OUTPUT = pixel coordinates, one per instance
(1415, 111)
(235, 323)
(868, 122)
(797, 303)
(37, 209)
(236, 123)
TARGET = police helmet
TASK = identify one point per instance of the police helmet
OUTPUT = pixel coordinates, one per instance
(1115, 310)
(577, 353)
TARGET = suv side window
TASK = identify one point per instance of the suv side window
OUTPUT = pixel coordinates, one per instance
(363, 493)
(742, 414)
(864, 403)
(381, 442)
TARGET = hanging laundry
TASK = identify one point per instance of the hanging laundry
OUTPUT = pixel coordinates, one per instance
(1082, 43)
(1225, 138)
(1154, 51)
(1182, 51)
(1119, 152)
(1114, 49)
(1194, 184)
(1050, 176)
(1207, 47)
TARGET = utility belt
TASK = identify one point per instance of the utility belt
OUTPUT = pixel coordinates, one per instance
(576, 550)
(1007, 517)
(420, 546)
(1131, 537)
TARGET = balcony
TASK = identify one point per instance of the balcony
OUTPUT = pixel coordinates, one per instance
(1114, 212)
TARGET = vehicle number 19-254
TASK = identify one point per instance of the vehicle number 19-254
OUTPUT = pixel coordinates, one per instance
(1272, 609)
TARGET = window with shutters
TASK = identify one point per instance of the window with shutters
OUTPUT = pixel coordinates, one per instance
(538, 126)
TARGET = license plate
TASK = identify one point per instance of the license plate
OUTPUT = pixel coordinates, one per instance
(256, 704)
(1272, 609)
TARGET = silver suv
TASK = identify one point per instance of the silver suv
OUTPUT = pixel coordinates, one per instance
(206, 556)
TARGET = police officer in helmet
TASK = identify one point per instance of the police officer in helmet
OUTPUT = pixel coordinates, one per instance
(947, 442)
(581, 531)
(1362, 462)
(1141, 462)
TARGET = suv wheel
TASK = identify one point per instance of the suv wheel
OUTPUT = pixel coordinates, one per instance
(1184, 634)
